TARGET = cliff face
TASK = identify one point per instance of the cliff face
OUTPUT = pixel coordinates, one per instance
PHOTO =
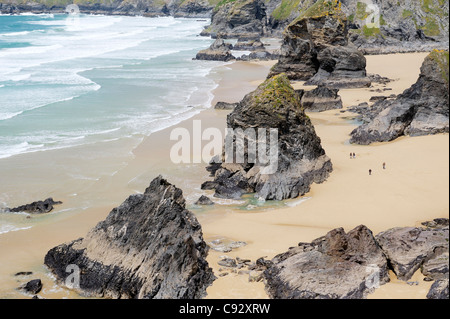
(399, 25)
(148, 247)
(233, 19)
(420, 110)
(299, 159)
(375, 26)
(183, 8)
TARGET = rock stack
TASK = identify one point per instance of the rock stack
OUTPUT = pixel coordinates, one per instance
(299, 159)
(149, 247)
(316, 49)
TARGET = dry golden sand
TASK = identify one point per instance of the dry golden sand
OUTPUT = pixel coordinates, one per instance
(413, 188)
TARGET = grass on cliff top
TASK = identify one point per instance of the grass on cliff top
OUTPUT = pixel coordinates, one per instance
(222, 3)
(285, 9)
(321, 8)
(441, 57)
(276, 91)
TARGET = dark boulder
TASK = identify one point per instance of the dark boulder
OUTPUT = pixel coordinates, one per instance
(149, 247)
(38, 207)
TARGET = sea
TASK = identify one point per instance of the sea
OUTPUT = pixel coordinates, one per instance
(70, 81)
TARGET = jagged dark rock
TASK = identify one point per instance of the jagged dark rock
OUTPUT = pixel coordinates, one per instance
(420, 110)
(316, 49)
(259, 55)
(321, 99)
(439, 290)
(204, 200)
(300, 158)
(249, 45)
(39, 207)
(33, 286)
(225, 106)
(148, 247)
(337, 266)
(218, 51)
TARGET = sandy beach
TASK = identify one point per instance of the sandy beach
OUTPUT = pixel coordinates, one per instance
(413, 188)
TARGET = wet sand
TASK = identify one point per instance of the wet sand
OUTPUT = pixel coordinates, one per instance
(413, 188)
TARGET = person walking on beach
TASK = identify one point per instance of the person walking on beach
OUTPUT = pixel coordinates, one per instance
(351, 156)
(370, 172)
(384, 165)
(354, 155)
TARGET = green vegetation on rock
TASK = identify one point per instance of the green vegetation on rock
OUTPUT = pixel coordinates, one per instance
(285, 9)
(321, 8)
(222, 3)
(441, 58)
(276, 91)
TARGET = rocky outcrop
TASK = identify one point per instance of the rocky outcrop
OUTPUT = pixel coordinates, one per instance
(316, 49)
(249, 45)
(350, 265)
(204, 200)
(33, 286)
(234, 19)
(420, 110)
(148, 247)
(321, 99)
(39, 207)
(410, 248)
(439, 290)
(337, 266)
(224, 106)
(259, 55)
(218, 51)
(285, 165)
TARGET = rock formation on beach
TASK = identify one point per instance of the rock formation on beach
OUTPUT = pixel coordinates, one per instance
(234, 19)
(218, 51)
(39, 207)
(343, 265)
(420, 110)
(337, 266)
(299, 159)
(316, 49)
(320, 99)
(149, 247)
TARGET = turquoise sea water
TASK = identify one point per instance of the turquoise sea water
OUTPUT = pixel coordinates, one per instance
(72, 80)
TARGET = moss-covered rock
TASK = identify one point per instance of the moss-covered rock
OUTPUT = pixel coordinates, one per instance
(315, 49)
(299, 159)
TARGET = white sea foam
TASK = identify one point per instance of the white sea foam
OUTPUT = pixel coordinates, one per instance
(6, 228)
(62, 64)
